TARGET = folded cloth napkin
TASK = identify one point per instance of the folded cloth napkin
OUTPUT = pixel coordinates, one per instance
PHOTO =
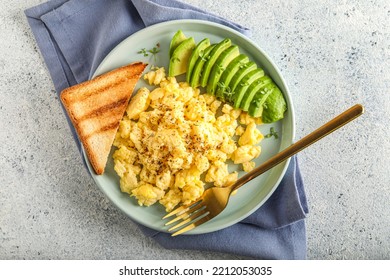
(74, 37)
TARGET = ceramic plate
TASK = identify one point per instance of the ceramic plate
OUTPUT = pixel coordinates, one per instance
(252, 195)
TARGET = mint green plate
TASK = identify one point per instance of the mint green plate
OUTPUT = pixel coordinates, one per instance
(249, 197)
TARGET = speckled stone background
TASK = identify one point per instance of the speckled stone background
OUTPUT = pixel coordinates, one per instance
(333, 54)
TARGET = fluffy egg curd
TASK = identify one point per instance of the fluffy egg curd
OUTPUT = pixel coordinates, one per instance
(173, 140)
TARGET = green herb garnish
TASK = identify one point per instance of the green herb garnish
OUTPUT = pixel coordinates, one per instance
(144, 52)
(225, 90)
(271, 133)
(154, 51)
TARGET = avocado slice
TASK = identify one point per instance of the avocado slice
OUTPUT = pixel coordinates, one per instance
(198, 51)
(176, 40)
(244, 69)
(252, 90)
(197, 70)
(219, 48)
(256, 106)
(223, 85)
(179, 60)
(244, 84)
(219, 67)
(274, 106)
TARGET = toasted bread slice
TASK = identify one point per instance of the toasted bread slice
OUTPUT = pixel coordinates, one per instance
(97, 106)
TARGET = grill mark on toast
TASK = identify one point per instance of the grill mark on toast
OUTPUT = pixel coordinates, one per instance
(110, 126)
(88, 94)
(101, 110)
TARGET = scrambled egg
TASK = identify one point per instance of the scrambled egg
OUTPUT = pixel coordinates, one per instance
(172, 140)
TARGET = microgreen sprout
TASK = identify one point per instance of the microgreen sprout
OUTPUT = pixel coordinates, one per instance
(271, 133)
(153, 51)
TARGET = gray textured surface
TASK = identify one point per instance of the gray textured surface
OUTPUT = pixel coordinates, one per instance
(333, 54)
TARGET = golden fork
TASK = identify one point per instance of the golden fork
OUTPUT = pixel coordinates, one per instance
(215, 199)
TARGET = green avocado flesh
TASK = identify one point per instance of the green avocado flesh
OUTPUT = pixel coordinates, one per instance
(219, 48)
(176, 40)
(220, 66)
(274, 107)
(256, 105)
(244, 84)
(252, 90)
(179, 60)
(245, 69)
(198, 51)
(197, 70)
(223, 85)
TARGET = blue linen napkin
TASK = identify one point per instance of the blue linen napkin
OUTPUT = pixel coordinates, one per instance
(74, 37)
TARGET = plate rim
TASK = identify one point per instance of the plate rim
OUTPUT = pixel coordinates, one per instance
(286, 94)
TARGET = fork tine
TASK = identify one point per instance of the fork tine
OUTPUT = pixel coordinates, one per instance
(176, 211)
(192, 217)
(182, 209)
(185, 214)
(192, 226)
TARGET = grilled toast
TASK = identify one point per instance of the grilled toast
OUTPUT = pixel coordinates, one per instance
(96, 107)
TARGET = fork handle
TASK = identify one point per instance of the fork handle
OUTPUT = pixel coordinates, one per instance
(306, 141)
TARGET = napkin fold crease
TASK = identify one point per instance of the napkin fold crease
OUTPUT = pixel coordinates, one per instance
(75, 36)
